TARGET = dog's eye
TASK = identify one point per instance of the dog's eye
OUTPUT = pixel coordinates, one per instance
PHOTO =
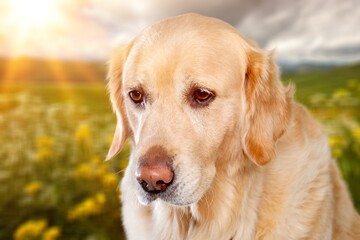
(137, 96)
(202, 96)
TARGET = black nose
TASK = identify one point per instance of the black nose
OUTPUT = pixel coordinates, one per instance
(154, 173)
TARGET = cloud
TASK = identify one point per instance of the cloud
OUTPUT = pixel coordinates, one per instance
(307, 30)
(303, 30)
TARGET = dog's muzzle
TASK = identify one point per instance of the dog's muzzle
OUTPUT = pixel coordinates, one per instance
(154, 172)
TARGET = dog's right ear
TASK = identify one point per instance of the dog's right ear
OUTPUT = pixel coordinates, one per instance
(115, 72)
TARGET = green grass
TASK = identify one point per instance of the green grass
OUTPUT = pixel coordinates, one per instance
(321, 81)
(52, 169)
(92, 96)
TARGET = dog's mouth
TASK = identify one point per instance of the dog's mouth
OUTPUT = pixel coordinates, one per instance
(147, 194)
(173, 195)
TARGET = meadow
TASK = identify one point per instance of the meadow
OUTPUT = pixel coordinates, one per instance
(56, 125)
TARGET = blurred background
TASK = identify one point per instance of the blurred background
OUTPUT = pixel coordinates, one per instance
(56, 123)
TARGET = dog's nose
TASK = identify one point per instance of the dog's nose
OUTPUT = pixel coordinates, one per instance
(154, 173)
(154, 179)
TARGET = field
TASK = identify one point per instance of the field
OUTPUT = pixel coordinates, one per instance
(56, 125)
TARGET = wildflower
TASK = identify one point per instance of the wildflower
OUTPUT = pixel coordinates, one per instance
(93, 169)
(337, 144)
(30, 229)
(100, 198)
(44, 142)
(356, 133)
(52, 233)
(89, 207)
(83, 171)
(341, 93)
(82, 133)
(336, 140)
(44, 147)
(86, 208)
(44, 154)
(109, 180)
(101, 170)
(33, 187)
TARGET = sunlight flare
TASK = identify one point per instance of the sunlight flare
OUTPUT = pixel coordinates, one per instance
(32, 22)
(34, 13)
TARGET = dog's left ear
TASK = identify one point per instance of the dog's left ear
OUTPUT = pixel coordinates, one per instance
(115, 72)
(268, 107)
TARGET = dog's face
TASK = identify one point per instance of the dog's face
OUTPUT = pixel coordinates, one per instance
(179, 90)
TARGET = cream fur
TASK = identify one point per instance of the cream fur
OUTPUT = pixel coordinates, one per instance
(251, 165)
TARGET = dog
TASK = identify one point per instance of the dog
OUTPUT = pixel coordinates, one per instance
(219, 148)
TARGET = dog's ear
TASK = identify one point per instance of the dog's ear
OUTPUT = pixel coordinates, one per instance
(115, 72)
(268, 107)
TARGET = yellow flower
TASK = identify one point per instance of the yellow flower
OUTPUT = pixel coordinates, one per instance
(90, 206)
(337, 152)
(94, 169)
(100, 198)
(101, 170)
(83, 171)
(44, 147)
(337, 140)
(86, 208)
(52, 233)
(44, 154)
(356, 133)
(341, 93)
(337, 144)
(109, 180)
(33, 187)
(44, 142)
(30, 229)
(82, 133)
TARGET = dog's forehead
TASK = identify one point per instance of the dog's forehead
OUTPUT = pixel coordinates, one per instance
(181, 50)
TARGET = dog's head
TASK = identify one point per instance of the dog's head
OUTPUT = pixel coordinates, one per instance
(180, 91)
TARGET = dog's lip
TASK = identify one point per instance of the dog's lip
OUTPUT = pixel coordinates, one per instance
(171, 196)
(167, 196)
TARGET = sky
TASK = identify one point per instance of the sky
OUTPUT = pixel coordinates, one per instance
(320, 31)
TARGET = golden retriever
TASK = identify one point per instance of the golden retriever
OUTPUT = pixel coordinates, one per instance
(219, 148)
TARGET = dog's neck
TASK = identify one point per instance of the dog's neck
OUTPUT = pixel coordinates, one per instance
(216, 213)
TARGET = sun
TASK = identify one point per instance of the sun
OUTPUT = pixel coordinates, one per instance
(33, 13)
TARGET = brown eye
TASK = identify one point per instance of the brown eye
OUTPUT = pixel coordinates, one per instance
(202, 96)
(136, 96)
